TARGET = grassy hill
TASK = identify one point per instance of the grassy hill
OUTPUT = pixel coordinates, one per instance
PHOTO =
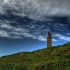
(55, 58)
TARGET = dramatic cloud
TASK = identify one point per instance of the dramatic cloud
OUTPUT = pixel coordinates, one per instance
(34, 18)
(34, 30)
(36, 9)
(8, 31)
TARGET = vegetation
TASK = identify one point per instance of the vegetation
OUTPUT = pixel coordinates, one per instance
(55, 58)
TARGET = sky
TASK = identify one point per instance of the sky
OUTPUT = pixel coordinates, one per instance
(24, 24)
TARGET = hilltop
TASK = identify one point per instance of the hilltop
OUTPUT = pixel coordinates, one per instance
(55, 58)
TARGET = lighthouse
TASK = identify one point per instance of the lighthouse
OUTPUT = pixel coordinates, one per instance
(49, 40)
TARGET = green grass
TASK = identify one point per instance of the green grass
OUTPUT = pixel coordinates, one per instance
(55, 58)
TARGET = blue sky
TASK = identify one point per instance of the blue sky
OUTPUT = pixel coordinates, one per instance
(11, 46)
(24, 24)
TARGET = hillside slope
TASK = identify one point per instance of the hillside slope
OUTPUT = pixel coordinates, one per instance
(55, 58)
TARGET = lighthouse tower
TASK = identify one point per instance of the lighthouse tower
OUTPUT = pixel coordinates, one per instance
(49, 40)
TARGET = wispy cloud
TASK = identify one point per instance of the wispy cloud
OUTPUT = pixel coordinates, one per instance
(9, 31)
(36, 9)
(62, 37)
(4, 34)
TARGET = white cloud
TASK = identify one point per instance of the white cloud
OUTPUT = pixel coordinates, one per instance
(43, 38)
(54, 40)
(4, 34)
(62, 37)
